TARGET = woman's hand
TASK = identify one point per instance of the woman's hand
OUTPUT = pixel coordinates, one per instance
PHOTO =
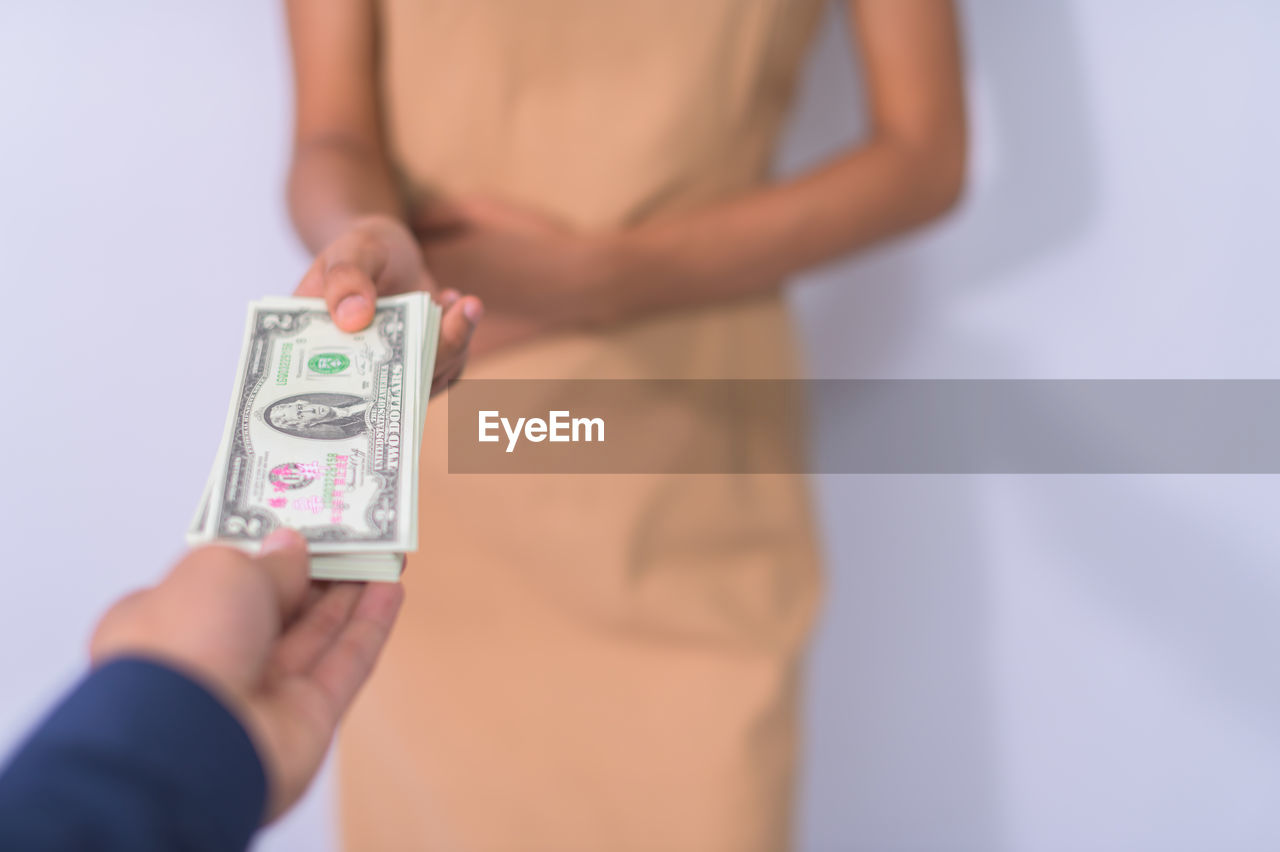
(379, 256)
(457, 325)
(522, 262)
(376, 256)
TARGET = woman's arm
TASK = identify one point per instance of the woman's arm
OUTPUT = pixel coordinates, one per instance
(910, 170)
(342, 195)
(340, 171)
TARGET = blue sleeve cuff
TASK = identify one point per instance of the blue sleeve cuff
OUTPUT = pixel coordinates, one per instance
(143, 754)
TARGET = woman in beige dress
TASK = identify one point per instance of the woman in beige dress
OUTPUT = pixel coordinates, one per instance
(604, 663)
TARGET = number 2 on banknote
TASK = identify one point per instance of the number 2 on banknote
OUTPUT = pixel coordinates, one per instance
(236, 525)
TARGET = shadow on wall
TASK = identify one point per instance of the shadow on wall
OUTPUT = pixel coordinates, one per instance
(901, 748)
(1212, 610)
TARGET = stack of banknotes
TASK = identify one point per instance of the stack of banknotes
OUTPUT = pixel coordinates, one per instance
(323, 435)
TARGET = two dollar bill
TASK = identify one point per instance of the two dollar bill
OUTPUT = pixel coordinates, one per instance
(323, 435)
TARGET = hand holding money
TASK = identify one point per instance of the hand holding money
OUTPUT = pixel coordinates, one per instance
(285, 661)
(378, 256)
(316, 438)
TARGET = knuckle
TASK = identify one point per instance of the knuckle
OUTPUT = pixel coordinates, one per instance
(366, 243)
(340, 270)
(344, 279)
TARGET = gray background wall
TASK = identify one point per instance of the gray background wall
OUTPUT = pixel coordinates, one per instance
(1006, 663)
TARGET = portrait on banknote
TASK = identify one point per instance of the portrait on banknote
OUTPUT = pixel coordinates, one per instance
(318, 416)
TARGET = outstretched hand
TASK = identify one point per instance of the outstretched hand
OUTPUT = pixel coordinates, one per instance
(286, 656)
(379, 256)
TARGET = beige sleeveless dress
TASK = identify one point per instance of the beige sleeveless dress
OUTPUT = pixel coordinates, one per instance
(604, 663)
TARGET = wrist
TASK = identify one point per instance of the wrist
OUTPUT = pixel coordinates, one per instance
(615, 271)
(597, 290)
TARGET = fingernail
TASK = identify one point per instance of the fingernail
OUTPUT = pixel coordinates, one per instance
(473, 310)
(282, 539)
(352, 308)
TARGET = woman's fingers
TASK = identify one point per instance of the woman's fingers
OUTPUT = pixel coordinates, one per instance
(349, 293)
(344, 275)
(351, 266)
(456, 327)
(375, 256)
